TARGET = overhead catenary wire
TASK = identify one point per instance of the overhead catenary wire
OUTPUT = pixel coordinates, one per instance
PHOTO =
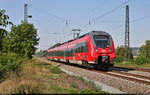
(95, 8)
(132, 21)
(63, 20)
(105, 14)
(49, 14)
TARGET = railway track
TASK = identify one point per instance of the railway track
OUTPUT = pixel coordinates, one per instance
(123, 75)
(132, 68)
(127, 76)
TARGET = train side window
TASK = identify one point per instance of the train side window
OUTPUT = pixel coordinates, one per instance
(55, 53)
(69, 52)
(82, 47)
(66, 52)
(72, 51)
(75, 48)
(79, 47)
(86, 46)
(60, 53)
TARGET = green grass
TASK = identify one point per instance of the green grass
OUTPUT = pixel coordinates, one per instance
(132, 64)
(55, 70)
(73, 90)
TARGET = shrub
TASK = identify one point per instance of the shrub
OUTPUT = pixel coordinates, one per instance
(9, 62)
(141, 60)
(119, 59)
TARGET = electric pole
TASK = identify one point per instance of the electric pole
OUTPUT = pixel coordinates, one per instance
(127, 37)
(26, 16)
(25, 13)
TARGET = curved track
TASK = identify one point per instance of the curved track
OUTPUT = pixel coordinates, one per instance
(131, 68)
(120, 73)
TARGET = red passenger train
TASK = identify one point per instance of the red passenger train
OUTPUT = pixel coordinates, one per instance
(94, 49)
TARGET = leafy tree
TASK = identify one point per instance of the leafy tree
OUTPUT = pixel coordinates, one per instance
(4, 19)
(144, 51)
(24, 39)
(120, 52)
(3, 34)
(4, 22)
(6, 44)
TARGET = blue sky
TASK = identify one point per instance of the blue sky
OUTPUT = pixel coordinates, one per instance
(49, 18)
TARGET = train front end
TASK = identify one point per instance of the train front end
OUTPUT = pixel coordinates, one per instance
(103, 49)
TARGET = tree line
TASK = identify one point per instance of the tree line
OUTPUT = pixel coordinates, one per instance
(143, 56)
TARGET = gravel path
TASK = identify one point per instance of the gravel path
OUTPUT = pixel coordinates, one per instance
(121, 84)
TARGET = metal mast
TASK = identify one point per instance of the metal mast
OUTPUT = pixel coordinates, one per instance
(127, 38)
(25, 13)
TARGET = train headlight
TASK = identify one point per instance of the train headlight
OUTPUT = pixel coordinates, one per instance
(110, 49)
(96, 50)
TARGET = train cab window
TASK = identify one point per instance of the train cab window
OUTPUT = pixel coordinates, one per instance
(101, 41)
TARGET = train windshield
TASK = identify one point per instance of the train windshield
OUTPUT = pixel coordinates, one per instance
(101, 41)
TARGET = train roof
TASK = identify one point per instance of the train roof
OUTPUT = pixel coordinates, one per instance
(95, 32)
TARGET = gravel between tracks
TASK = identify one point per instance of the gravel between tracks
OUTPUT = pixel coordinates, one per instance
(121, 84)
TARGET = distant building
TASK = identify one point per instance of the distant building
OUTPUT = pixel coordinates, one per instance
(135, 51)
